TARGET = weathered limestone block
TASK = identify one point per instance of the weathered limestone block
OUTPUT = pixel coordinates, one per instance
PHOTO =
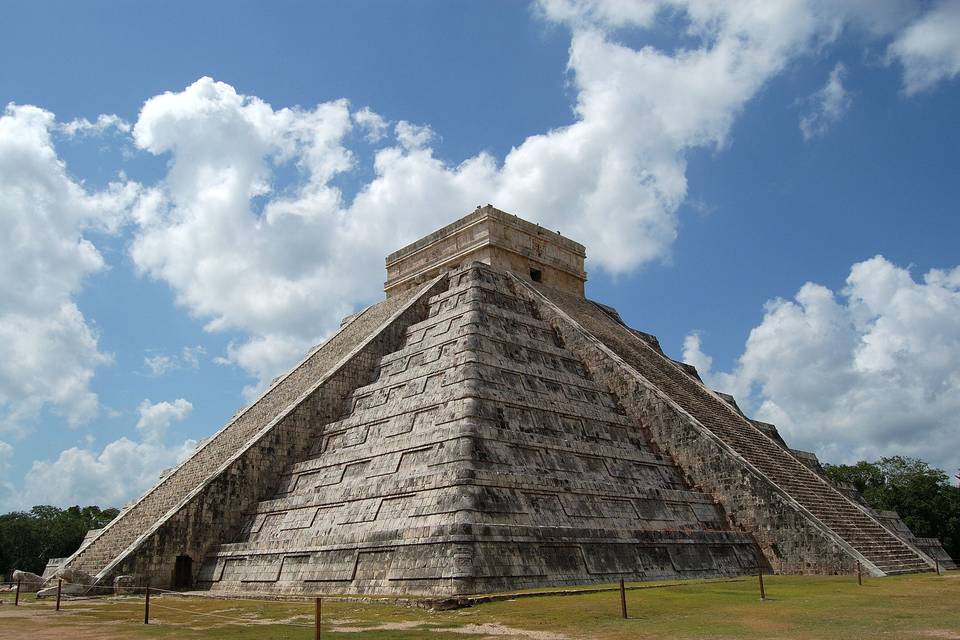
(29, 582)
(934, 548)
(72, 575)
(67, 589)
(53, 565)
(124, 584)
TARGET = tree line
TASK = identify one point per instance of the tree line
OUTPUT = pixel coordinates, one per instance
(923, 495)
(29, 538)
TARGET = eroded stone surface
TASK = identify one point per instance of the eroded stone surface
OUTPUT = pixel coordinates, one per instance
(207, 497)
(29, 582)
(484, 457)
(496, 238)
(803, 523)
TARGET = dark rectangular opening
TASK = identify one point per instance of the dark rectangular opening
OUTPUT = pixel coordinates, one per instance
(183, 573)
(535, 275)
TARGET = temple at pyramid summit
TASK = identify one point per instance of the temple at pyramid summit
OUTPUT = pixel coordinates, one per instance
(487, 427)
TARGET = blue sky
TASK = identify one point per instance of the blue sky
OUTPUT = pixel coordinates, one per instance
(195, 195)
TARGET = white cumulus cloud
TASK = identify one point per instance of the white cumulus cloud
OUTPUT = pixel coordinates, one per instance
(605, 13)
(871, 370)
(282, 261)
(827, 106)
(155, 418)
(48, 350)
(7, 488)
(372, 123)
(111, 476)
(6, 452)
(103, 123)
(929, 49)
(159, 364)
(413, 136)
(283, 264)
(122, 470)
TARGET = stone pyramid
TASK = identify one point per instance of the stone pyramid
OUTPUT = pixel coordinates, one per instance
(488, 428)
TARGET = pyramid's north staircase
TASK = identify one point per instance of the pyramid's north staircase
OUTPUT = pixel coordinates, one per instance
(763, 485)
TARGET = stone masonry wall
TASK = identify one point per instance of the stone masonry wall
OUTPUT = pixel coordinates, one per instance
(214, 508)
(483, 458)
(494, 237)
(791, 541)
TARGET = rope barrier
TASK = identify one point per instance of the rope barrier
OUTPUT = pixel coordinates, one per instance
(194, 594)
(88, 594)
(232, 619)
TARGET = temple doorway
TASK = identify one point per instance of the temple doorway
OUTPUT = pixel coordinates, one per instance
(183, 573)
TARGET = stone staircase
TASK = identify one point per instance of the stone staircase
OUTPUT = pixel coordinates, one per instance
(864, 533)
(483, 457)
(116, 539)
(882, 548)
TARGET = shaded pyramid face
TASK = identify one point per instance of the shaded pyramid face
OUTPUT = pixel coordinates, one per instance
(484, 457)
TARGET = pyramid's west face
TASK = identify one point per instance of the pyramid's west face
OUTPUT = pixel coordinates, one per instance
(484, 457)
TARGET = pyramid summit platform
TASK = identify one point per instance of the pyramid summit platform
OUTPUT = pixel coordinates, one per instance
(486, 428)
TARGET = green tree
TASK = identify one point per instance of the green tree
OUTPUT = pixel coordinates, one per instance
(19, 534)
(865, 477)
(28, 539)
(921, 494)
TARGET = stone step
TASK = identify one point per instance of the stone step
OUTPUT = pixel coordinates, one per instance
(797, 480)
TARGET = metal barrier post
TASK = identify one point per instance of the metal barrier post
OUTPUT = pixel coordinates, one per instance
(59, 587)
(623, 600)
(146, 606)
(317, 616)
(763, 594)
(936, 560)
(16, 598)
(859, 574)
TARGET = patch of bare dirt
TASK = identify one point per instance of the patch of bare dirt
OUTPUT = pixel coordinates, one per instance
(385, 626)
(13, 618)
(492, 629)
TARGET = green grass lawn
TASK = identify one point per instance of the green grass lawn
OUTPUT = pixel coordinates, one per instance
(917, 606)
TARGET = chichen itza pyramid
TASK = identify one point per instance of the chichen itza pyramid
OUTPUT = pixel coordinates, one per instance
(487, 427)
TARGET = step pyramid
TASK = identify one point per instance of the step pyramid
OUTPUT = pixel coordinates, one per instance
(483, 458)
(487, 428)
